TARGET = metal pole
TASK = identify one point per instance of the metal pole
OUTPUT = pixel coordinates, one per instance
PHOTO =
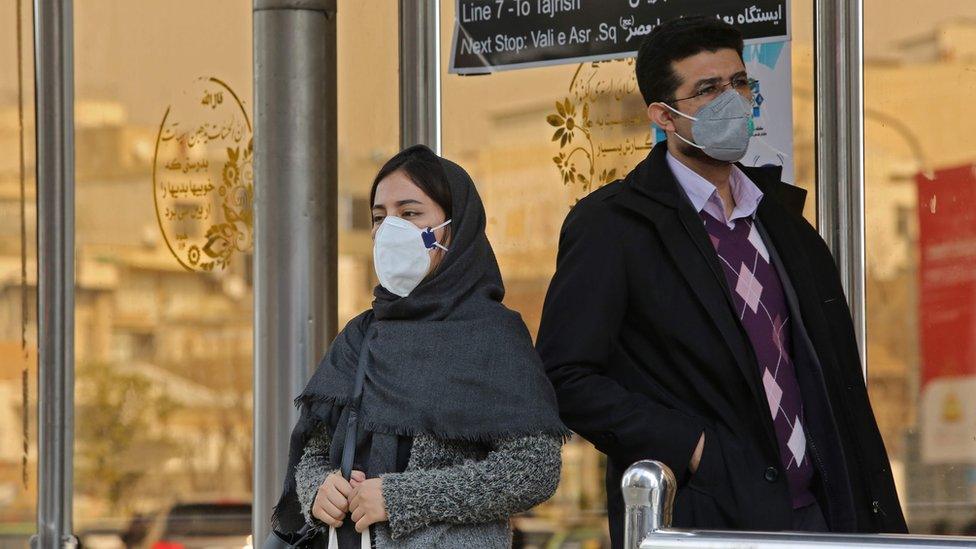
(54, 112)
(648, 489)
(420, 79)
(840, 146)
(295, 259)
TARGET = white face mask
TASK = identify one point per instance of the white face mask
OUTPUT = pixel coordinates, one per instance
(401, 254)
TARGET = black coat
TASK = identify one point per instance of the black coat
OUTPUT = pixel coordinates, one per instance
(639, 338)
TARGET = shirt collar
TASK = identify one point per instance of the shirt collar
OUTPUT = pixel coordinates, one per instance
(703, 194)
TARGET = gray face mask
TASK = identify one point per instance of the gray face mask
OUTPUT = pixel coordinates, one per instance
(722, 128)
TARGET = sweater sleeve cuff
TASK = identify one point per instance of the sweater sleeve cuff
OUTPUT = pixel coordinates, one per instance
(403, 515)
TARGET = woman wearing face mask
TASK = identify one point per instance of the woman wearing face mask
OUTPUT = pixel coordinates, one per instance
(430, 421)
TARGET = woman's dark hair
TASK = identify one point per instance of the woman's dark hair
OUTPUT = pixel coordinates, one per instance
(673, 41)
(424, 168)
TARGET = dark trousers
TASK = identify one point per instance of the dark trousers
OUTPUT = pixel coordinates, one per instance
(810, 519)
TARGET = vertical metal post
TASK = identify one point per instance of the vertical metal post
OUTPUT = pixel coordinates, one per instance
(295, 259)
(420, 78)
(648, 489)
(54, 112)
(840, 145)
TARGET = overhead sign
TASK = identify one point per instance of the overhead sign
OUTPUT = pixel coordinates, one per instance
(493, 35)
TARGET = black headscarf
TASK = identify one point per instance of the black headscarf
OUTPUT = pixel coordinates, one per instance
(449, 360)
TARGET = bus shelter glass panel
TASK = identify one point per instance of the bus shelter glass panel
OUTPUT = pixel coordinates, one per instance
(369, 134)
(18, 278)
(920, 192)
(163, 296)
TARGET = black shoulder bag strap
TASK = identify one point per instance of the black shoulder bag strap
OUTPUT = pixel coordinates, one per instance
(352, 421)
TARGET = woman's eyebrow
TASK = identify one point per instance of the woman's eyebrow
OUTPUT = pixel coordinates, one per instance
(400, 204)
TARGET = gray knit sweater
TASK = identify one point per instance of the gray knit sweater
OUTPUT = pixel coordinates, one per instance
(452, 494)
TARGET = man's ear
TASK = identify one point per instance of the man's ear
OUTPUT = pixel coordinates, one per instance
(661, 116)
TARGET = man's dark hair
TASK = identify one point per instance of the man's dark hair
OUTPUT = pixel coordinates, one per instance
(673, 41)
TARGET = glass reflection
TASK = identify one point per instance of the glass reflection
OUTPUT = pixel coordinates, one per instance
(918, 75)
(163, 296)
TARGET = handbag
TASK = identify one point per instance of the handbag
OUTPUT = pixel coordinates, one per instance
(307, 538)
(302, 539)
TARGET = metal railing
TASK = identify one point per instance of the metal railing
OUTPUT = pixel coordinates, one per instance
(649, 488)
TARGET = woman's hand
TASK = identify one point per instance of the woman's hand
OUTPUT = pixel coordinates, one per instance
(332, 500)
(357, 478)
(367, 505)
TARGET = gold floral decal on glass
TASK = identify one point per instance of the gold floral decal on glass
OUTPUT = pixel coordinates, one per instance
(564, 119)
(203, 179)
(595, 146)
(235, 233)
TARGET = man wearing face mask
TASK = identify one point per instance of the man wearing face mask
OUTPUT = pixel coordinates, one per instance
(696, 318)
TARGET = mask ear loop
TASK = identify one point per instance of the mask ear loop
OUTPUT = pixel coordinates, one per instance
(430, 241)
(696, 145)
(676, 111)
(689, 117)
